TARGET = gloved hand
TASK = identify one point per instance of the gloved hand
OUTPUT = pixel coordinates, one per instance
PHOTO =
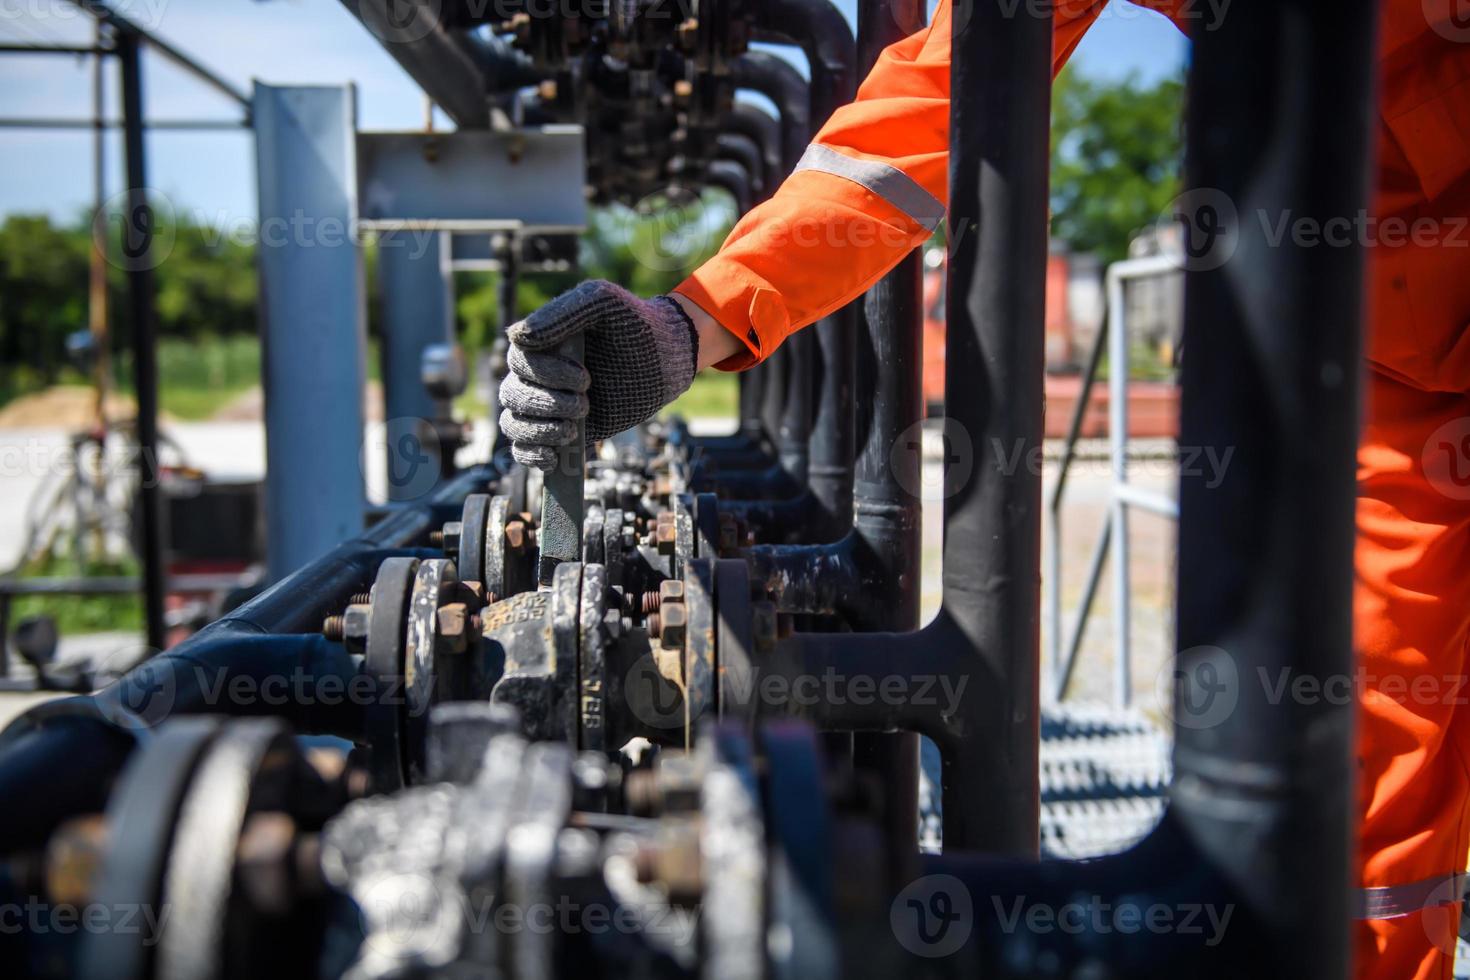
(640, 355)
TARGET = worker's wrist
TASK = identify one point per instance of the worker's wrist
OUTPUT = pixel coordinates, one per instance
(716, 344)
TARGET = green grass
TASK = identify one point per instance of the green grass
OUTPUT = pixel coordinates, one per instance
(75, 614)
(199, 376)
(713, 394)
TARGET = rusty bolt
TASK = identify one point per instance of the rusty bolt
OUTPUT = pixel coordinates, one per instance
(360, 599)
(74, 857)
(436, 539)
(655, 624)
(456, 625)
(674, 622)
(334, 627)
(357, 620)
(275, 863)
(665, 533)
(650, 602)
(516, 536)
(688, 33)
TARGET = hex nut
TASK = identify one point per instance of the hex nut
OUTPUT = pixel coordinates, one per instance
(674, 620)
(455, 627)
(356, 622)
(515, 535)
(670, 590)
(453, 532)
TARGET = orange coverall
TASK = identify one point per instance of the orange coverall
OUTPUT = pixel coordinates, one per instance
(872, 187)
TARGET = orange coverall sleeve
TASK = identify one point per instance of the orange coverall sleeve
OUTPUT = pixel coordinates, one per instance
(871, 187)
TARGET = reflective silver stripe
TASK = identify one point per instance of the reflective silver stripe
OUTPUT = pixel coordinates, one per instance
(1392, 901)
(889, 183)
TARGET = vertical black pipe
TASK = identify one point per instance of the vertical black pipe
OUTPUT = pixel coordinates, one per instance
(999, 121)
(1272, 329)
(137, 235)
(886, 518)
(831, 53)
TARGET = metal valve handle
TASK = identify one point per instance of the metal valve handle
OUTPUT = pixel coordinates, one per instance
(561, 495)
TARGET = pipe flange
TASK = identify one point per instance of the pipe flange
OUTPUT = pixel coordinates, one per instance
(735, 647)
(387, 714)
(699, 640)
(472, 538)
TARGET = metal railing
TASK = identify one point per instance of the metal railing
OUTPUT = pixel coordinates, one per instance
(1112, 542)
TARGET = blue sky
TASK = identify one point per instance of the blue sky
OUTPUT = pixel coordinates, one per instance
(286, 41)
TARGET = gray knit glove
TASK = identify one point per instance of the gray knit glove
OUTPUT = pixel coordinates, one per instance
(640, 355)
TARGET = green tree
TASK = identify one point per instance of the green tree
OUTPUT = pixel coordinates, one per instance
(1115, 158)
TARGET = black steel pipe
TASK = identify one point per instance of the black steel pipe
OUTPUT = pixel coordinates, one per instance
(758, 126)
(1272, 373)
(731, 176)
(137, 253)
(741, 149)
(437, 57)
(777, 80)
(820, 30)
(999, 132)
(987, 629)
(886, 519)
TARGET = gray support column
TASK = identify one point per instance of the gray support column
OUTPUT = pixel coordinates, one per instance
(312, 325)
(418, 310)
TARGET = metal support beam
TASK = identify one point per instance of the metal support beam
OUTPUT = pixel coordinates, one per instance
(528, 179)
(138, 256)
(418, 311)
(312, 328)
